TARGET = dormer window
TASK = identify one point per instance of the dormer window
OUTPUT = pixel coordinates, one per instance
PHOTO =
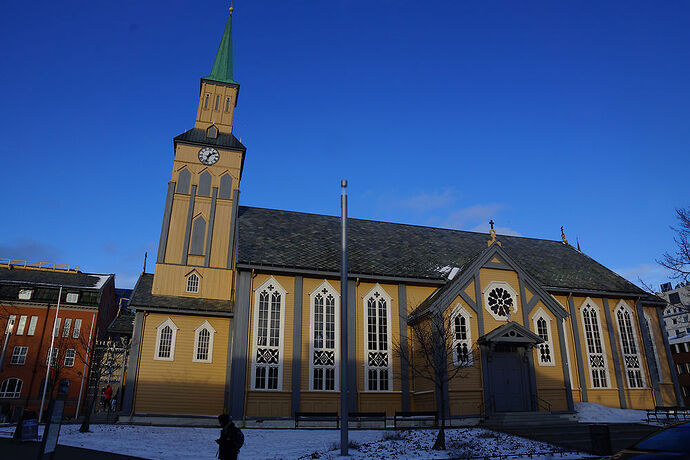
(193, 283)
(72, 297)
(25, 294)
(212, 132)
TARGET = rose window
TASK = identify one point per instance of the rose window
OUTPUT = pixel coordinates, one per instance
(500, 301)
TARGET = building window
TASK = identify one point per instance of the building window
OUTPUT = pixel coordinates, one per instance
(193, 283)
(198, 237)
(206, 98)
(51, 357)
(11, 388)
(56, 327)
(66, 327)
(378, 363)
(462, 337)
(183, 180)
(542, 324)
(597, 356)
(217, 102)
(267, 360)
(628, 338)
(166, 332)
(21, 325)
(323, 369)
(656, 354)
(212, 132)
(205, 184)
(19, 355)
(25, 294)
(32, 325)
(72, 297)
(227, 104)
(77, 328)
(500, 300)
(203, 343)
(69, 357)
(225, 186)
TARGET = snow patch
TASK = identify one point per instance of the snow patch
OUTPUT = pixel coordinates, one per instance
(448, 271)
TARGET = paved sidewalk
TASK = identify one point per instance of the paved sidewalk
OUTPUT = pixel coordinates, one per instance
(29, 450)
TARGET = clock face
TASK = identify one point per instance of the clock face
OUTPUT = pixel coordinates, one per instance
(208, 155)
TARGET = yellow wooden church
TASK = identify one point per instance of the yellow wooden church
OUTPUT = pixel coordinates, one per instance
(242, 312)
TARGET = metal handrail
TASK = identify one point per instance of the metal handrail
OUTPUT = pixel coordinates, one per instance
(547, 404)
(41, 265)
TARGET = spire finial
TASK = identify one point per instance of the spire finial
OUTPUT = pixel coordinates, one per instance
(563, 236)
(146, 255)
(492, 232)
(231, 8)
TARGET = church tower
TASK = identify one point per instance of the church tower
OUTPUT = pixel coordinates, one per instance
(197, 243)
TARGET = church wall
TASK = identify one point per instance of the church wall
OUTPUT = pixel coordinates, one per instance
(178, 218)
(181, 386)
(571, 349)
(550, 382)
(209, 114)
(213, 284)
(272, 403)
(221, 231)
(416, 295)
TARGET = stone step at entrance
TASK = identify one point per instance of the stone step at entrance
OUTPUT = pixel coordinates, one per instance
(517, 419)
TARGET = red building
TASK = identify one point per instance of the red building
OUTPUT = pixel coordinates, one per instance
(28, 305)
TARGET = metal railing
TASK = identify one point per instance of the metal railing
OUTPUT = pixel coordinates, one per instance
(544, 404)
(38, 265)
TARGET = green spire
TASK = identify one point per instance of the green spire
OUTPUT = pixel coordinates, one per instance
(222, 66)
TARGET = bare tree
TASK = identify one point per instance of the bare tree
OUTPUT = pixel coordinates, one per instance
(679, 262)
(95, 354)
(430, 355)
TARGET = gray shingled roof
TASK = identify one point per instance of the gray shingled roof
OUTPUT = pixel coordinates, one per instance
(198, 136)
(142, 298)
(274, 238)
(56, 278)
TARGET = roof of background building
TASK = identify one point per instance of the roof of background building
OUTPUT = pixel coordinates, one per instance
(142, 297)
(53, 277)
(287, 239)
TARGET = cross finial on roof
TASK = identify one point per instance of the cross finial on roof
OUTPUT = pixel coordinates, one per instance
(491, 222)
(563, 236)
(492, 232)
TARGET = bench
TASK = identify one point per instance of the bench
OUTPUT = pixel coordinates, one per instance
(317, 417)
(368, 417)
(415, 416)
(667, 414)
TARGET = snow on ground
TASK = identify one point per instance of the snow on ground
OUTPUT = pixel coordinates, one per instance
(198, 443)
(588, 412)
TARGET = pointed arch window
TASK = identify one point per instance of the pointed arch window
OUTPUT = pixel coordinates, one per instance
(193, 282)
(629, 344)
(184, 177)
(596, 353)
(212, 132)
(542, 325)
(166, 333)
(462, 337)
(269, 322)
(203, 343)
(196, 246)
(205, 184)
(378, 363)
(225, 186)
(323, 363)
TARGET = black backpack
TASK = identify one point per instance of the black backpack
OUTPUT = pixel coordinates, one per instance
(238, 438)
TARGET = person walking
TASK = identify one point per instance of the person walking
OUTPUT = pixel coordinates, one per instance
(231, 439)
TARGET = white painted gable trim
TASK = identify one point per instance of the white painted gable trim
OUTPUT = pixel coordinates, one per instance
(324, 285)
(159, 329)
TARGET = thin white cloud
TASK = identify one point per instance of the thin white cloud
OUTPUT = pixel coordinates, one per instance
(427, 201)
(650, 273)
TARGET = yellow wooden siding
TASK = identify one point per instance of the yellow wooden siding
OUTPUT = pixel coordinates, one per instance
(181, 386)
(320, 402)
(486, 276)
(221, 233)
(178, 223)
(471, 293)
(416, 295)
(468, 377)
(550, 382)
(424, 401)
(207, 115)
(214, 283)
(268, 403)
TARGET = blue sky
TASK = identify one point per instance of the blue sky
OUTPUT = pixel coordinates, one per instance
(443, 113)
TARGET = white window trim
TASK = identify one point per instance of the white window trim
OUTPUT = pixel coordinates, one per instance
(541, 313)
(625, 307)
(52, 356)
(159, 329)
(32, 326)
(74, 357)
(72, 297)
(281, 336)
(198, 282)
(389, 299)
(66, 326)
(205, 325)
(660, 374)
(19, 348)
(77, 328)
(21, 325)
(460, 310)
(25, 294)
(589, 303)
(500, 284)
(16, 394)
(312, 295)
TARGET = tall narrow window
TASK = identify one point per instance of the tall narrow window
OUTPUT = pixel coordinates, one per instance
(225, 186)
(462, 337)
(595, 350)
(56, 328)
(204, 184)
(51, 357)
(32, 325)
(227, 104)
(217, 102)
(21, 325)
(193, 283)
(198, 237)
(378, 363)
(267, 366)
(324, 344)
(69, 357)
(650, 328)
(631, 355)
(203, 343)
(206, 100)
(542, 326)
(184, 178)
(77, 328)
(67, 326)
(166, 332)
